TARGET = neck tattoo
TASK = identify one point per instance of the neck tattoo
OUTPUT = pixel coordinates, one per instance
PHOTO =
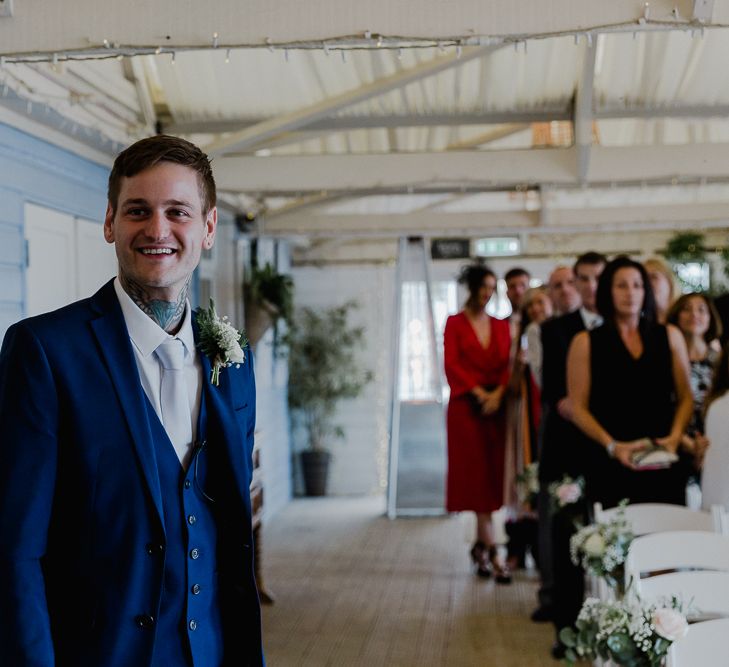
(167, 314)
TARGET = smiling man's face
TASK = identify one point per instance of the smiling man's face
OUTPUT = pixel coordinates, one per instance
(159, 228)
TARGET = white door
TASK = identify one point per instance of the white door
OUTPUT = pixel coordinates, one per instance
(96, 259)
(68, 259)
(51, 272)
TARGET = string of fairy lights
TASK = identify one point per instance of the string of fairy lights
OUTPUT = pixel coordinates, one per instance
(342, 46)
(367, 40)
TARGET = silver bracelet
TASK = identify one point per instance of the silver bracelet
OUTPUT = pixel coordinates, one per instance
(611, 448)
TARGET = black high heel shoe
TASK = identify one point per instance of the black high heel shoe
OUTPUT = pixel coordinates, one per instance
(479, 556)
(501, 571)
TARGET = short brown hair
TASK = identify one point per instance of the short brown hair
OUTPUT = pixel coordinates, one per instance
(148, 152)
(714, 330)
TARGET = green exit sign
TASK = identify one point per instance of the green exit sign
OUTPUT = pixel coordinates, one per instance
(504, 246)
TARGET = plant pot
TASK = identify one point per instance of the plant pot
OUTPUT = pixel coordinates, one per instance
(259, 316)
(315, 467)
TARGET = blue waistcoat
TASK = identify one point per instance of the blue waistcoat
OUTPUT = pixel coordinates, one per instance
(188, 627)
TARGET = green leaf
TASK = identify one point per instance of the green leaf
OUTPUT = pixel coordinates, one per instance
(568, 637)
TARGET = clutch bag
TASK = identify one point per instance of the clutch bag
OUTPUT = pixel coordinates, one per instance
(653, 457)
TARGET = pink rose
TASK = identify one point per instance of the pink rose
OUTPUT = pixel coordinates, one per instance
(669, 624)
(568, 493)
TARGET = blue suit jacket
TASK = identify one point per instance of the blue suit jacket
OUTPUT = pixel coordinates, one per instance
(80, 503)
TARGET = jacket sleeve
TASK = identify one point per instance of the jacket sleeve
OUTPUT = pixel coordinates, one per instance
(460, 378)
(554, 363)
(28, 451)
(251, 414)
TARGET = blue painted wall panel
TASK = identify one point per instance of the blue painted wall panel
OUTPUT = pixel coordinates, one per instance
(11, 285)
(12, 245)
(11, 206)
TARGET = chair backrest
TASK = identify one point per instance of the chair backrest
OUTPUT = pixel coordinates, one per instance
(647, 518)
(674, 550)
(705, 645)
(721, 519)
(704, 592)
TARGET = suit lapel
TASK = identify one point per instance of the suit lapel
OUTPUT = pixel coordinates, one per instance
(116, 349)
(220, 415)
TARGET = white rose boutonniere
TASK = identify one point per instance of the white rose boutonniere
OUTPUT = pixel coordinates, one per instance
(220, 341)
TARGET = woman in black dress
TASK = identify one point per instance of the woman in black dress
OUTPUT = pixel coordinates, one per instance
(629, 380)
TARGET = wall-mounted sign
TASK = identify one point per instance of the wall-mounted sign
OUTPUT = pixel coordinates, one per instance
(450, 248)
(505, 246)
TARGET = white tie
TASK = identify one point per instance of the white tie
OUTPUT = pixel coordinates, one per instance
(175, 403)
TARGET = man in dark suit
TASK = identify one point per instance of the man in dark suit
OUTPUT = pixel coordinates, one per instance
(124, 502)
(562, 450)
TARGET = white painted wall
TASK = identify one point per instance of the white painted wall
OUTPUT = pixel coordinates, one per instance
(360, 460)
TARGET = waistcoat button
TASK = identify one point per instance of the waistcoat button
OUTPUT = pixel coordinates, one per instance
(195, 554)
(195, 589)
(193, 624)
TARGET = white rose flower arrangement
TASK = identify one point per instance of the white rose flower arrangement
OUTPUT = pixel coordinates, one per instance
(567, 492)
(627, 632)
(601, 549)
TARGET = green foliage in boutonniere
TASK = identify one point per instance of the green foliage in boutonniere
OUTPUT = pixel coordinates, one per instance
(220, 341)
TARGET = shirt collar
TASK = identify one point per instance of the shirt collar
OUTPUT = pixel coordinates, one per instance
(145, 333)
(590, 319)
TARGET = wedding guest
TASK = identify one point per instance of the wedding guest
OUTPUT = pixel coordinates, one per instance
(477, 369)
(663, 283)
(517, 283)
(698, 321)
(562, 290)
(715, 474)
(522, 529)
(562, 444)
(628, 380)
(518, 445)
(538, 309)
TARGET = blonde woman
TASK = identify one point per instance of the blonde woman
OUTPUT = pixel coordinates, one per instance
(663, 283)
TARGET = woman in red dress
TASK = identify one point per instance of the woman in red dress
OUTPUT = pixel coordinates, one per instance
(477, 369)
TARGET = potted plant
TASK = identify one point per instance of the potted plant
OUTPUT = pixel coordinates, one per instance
(268, 296)
(323, 370)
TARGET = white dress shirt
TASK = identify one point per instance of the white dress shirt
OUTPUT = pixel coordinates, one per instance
(146, 335)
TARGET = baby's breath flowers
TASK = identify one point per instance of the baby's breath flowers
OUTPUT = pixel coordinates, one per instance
(624, 631)
(220, 341)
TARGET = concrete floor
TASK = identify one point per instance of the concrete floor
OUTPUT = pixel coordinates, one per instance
(353, 588)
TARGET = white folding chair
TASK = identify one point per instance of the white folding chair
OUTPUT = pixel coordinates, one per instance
(705, 645)
(647, 518)
(704, 593)
(676, 550)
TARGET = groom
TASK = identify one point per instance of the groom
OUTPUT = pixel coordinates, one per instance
(125, 519)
